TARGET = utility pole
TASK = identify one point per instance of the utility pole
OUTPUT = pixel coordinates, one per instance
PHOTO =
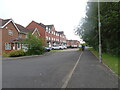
(99, 26)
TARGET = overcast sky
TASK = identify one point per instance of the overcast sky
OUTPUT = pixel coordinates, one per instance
(64, 14)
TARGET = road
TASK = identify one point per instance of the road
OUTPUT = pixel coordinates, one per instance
(60, 69)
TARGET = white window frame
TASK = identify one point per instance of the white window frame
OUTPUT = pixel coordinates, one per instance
(10, 32)
(49, 38)
(9, 47)
(46, 37)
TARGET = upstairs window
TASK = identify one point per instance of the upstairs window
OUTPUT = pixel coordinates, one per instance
(46, 29)
(10, 32)
(46, 37)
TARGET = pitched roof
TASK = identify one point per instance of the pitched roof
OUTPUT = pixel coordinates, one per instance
(42, 25)
(3, 21)
(60, 32)
(21, 28)
(31, 30)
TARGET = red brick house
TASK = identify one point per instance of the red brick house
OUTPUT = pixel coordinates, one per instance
(24, 34)
(40, 28)
(11, 35)
(62, 38)
(73, 43)
(9, 32)
(52, 36)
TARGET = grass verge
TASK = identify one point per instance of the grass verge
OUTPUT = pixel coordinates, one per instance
(110, 60)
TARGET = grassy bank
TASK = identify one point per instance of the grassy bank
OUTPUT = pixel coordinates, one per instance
(110, 60)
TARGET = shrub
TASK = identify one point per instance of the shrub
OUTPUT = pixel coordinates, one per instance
(17, 53)
(35, 45)
(5, 54)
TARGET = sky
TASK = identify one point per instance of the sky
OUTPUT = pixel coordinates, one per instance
(64, 14)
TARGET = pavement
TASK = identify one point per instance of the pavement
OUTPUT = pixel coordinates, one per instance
(67, 68)
(92, 74)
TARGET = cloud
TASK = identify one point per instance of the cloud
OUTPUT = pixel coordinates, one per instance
(64, 14)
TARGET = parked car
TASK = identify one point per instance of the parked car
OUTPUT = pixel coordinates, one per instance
(47, 49)
(61, 47)
(55, 47)
(64, 46)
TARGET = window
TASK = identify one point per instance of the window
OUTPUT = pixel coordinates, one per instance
(10, 32)
(7, 46)
(49, 31)
(46, 37)
(46, 29)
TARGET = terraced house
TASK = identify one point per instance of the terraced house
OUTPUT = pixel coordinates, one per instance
(49, 34)
(73, 43)
(13, 33)
(52, 36)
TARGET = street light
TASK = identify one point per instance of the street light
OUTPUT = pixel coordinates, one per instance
(99, 25)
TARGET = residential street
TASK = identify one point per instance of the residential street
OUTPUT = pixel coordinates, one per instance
(58, 69)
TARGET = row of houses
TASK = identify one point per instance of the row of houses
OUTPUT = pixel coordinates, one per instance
(73, 43)
(12, 33)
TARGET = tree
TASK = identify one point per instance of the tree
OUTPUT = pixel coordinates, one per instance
(34, 44)
(110, 12)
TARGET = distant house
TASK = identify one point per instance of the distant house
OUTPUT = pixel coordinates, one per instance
(40, 28)
(9, 32)
(24, 31)
(73, 43)
(52, 37)
(62, 38)
(24, 34)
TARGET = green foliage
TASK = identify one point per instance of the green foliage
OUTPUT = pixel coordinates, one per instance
(109, 15)
(5, 54)
(35, 45)
(110, 60)
(17, 53)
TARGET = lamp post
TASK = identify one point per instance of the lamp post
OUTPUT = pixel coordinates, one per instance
(99, 26)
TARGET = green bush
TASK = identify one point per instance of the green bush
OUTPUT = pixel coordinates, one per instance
(5, 54)
(17, 53)
(35, 51)
(34, 45)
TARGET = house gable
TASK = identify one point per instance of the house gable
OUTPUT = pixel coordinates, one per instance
(6, 22)
(41, 29)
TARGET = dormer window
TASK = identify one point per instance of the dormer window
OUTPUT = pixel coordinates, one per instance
(10, 32)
